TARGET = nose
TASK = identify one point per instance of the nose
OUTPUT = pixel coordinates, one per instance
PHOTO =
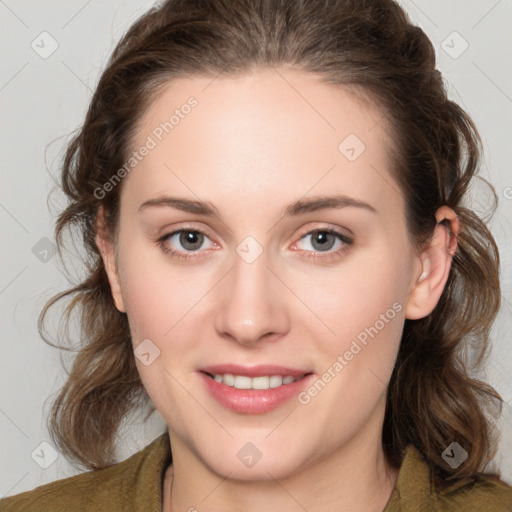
(251, 303)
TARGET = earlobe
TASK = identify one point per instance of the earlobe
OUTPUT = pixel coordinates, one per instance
(435, 261)
(106, 247)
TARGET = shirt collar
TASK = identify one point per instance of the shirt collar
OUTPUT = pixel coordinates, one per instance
(413, 488)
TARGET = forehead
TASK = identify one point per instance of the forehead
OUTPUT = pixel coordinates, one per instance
(272, 136)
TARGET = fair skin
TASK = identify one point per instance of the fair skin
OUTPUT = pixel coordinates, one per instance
(253, 145)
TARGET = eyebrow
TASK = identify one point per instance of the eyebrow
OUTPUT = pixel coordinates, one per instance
(300, 207)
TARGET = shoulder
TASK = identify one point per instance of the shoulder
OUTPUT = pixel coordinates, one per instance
(416, 490)
(488, 494)
(118, 487)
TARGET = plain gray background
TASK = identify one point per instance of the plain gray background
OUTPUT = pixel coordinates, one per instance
(44, 98)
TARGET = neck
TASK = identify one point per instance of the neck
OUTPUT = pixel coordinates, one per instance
(357, 477)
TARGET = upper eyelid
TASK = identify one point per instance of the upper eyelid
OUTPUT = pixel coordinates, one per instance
(307, 231)
(342, 237)
(337, 230)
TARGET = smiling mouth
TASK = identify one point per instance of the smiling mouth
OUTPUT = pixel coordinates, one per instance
(261, 382)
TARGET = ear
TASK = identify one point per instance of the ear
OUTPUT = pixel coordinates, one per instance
(107, 250)
(435, 261)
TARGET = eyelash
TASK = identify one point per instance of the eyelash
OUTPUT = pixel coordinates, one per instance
(347, 242)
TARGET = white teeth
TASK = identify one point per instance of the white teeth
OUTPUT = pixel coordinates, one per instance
(228, 379)
(263, 382)
(242, 382)
(260, 382)
(276, 381)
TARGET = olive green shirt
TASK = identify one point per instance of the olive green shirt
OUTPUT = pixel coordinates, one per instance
(135, 484)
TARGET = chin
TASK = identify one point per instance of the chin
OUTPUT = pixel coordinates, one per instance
(261, 471)
(254, 461)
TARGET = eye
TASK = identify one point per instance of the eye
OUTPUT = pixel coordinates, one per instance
(190, 240)
(184, 243)
(324, 241)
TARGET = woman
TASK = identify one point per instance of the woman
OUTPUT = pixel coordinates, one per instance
(272, 197)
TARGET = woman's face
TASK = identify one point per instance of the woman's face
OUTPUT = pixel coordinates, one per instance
(262, 235)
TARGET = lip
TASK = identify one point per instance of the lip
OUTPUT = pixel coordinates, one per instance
(254, 371)
(253, 401)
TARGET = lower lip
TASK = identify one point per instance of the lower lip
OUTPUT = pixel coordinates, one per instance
(253, 401)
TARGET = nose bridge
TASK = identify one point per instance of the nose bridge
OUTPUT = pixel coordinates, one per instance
(250, 306)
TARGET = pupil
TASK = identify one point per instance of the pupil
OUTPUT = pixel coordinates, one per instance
(322, 237)
(192, 238)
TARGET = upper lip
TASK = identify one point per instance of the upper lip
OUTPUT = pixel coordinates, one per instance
(253, 371)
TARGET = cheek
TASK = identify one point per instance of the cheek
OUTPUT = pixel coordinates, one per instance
(366, 292)
(363, 306)
(156, 293)
(160, 309)
(165, 304)
(367, 317)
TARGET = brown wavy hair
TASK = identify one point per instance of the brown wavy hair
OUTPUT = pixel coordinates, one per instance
(367, 45)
